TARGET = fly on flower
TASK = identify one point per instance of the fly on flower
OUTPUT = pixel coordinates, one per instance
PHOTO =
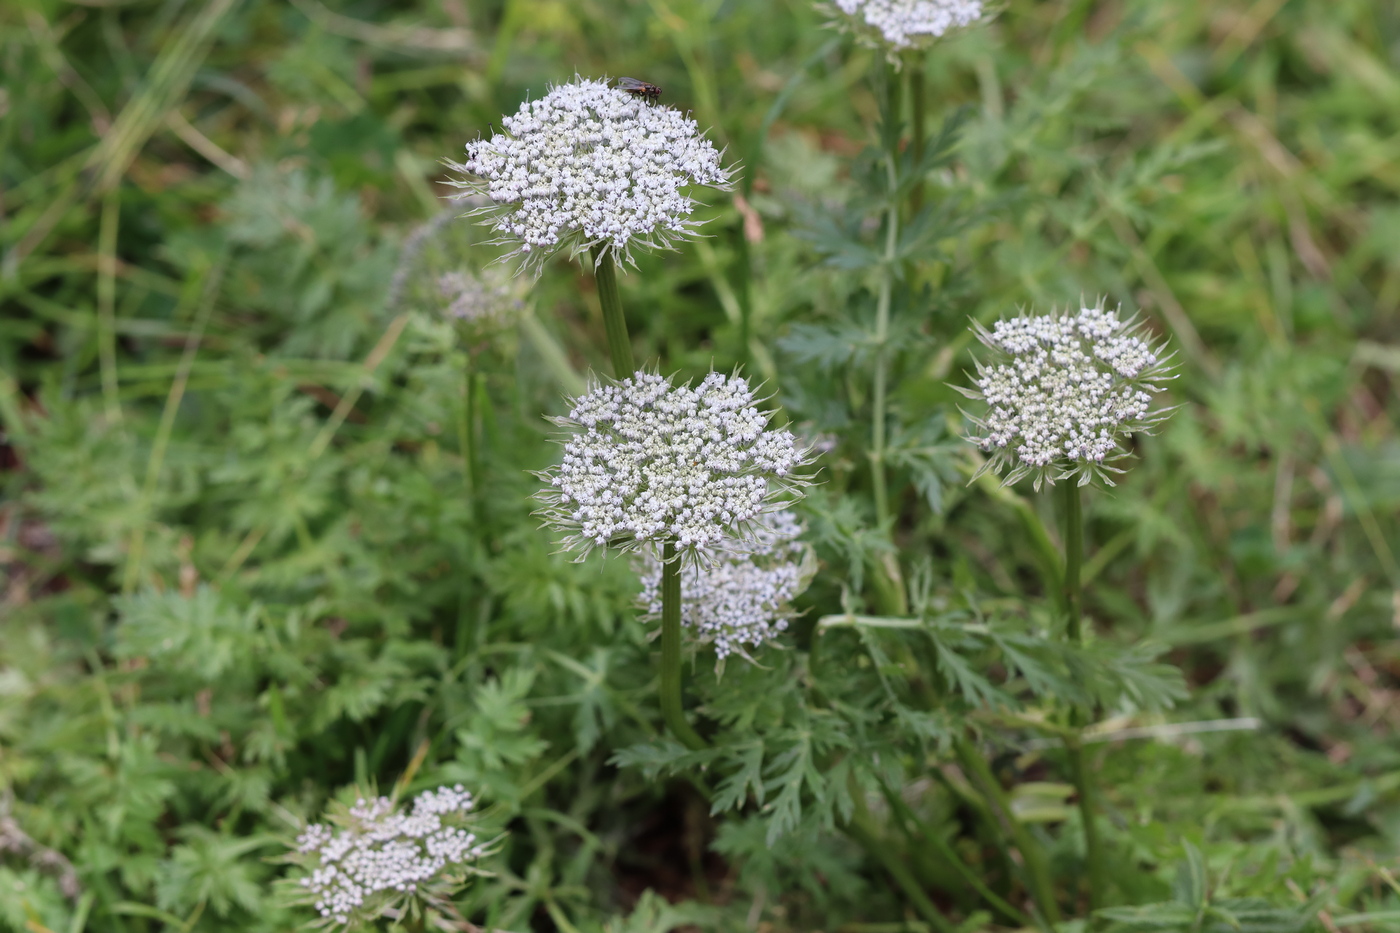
(648, 92)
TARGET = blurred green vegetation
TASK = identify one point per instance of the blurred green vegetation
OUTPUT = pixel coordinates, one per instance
(247, 566)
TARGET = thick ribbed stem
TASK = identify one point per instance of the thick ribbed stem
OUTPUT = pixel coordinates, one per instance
(619, 344)
(672, 711)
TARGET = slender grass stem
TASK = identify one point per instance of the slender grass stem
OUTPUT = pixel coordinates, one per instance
(208, 287)
(862, 830)
(672, 710)
(619, 343)
(970, 796)
(745, 306)
(106, 304)
(950, 855)
(553, 355)
(1032, 858)
(1072, 599)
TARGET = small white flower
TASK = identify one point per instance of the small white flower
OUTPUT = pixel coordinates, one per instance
(650, 462)
(742, 599)
(1063, 393)
(907, 24)
(379, 857)
(589, 164)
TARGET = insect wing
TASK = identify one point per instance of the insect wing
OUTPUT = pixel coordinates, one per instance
(639, 88)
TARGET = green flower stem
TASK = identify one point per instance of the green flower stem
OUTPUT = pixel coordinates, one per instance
(862, 830)
(466, 433)
(1037, 872)
(619, 344)
(882, 362)
(1072, 600)
(1074, 557)
(918, 128)
(672, 710)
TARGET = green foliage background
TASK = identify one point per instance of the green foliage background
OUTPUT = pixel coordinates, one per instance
(246, 568)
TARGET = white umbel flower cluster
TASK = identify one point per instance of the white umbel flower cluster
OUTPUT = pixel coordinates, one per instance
(589, 164)
(1064, 393)
(907, 24)
(743, 599)
(381, 857)
(650, 462)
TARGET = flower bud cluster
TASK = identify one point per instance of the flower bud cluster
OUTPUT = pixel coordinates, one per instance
(382, 856)
(650, 462)
(743, 598)
(589, 164)
(1064, 393)
(482, 300)
(908, 24)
